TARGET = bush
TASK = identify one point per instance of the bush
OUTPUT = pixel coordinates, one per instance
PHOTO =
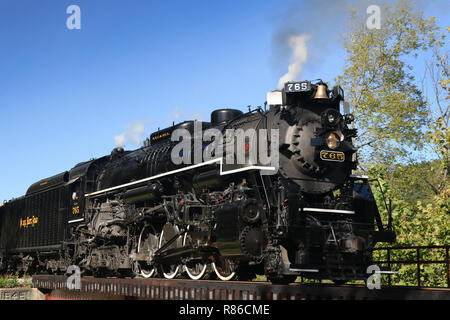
(13, 281)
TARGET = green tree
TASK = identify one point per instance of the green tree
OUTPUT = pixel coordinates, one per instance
(438, 103)
(417, 224)
(389, 108)
(394, 118)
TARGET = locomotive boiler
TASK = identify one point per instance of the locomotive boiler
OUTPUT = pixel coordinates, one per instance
(180, 206)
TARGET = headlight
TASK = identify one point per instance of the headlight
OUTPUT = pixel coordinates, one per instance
(333, 140)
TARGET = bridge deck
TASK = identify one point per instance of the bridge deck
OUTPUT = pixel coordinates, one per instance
(180, 289)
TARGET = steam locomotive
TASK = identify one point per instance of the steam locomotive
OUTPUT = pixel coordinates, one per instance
(142, 213)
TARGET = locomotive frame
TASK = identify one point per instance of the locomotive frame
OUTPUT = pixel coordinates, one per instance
(137, 213)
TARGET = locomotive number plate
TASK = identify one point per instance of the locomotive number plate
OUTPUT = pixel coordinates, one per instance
(298, 86)
(332, 156)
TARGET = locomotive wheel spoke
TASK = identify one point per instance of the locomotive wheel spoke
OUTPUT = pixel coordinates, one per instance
(197, 270)
(224, 268)
(169, 271)
(148, 243)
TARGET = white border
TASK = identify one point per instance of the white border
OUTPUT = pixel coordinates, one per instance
(328, 210)
(303, 270)
(356, 176)
(77, 220)
(219, 160)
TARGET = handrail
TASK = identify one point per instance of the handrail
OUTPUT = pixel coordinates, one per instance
(418, 261)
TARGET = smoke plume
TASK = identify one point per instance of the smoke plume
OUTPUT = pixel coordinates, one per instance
(306, 34)
(134, 132)
(300, 54)
(175, 115)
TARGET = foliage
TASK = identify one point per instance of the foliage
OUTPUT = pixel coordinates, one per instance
(438, 134)
(416, 223)
(389, 108)
(13, 281)
(413, 181)
(397, 119)
(9, 282)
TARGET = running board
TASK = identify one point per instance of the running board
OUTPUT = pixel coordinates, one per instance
(320, 210)
(303, 270)
(216, 161)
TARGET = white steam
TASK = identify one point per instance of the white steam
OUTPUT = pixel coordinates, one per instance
(134, 132)
(300, 55)
(175, 116)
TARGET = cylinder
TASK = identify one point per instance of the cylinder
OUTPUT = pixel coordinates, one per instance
(208, 179)
(151, 192)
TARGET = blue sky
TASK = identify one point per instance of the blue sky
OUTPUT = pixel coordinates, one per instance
(65, 94)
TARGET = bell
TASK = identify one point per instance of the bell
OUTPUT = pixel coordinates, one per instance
(321, 92)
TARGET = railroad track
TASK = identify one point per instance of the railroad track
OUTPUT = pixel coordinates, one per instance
(55, 287)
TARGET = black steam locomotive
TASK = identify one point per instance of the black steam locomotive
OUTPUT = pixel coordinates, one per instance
(142, 213)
